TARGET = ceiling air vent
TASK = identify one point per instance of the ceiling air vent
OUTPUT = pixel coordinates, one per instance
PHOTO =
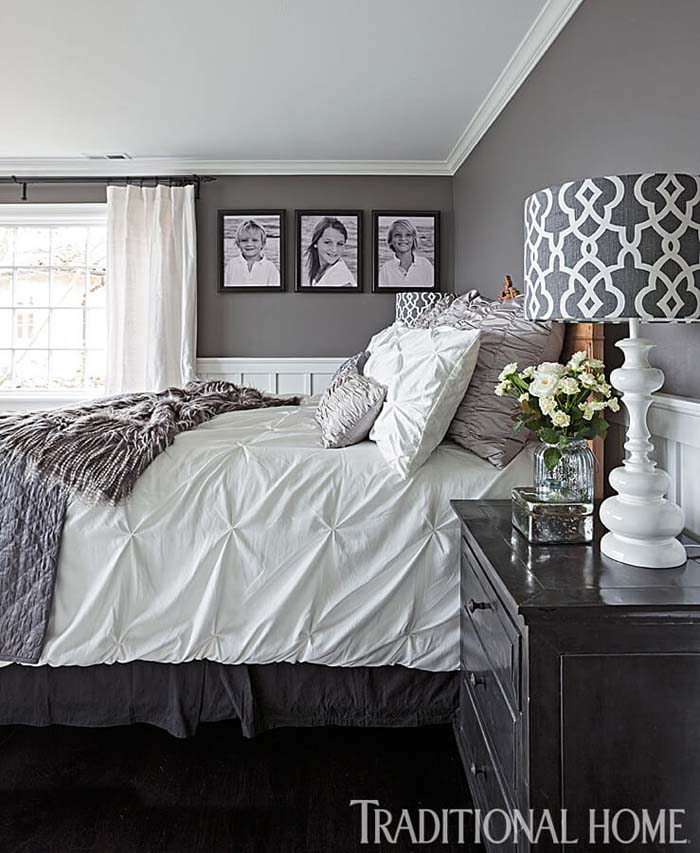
(108, 156)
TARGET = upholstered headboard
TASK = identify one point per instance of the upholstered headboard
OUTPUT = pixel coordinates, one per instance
(589, 337)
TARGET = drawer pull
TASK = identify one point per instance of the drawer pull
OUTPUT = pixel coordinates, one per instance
(475, 681)
(474, 605)
(477, 770)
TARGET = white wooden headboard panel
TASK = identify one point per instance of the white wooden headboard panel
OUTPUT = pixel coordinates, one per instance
(275, 375)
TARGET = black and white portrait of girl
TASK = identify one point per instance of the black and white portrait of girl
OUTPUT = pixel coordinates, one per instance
(328, 250)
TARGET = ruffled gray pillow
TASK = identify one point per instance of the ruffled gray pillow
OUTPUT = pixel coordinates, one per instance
(483, 422)
(349, 407)
(354, 364)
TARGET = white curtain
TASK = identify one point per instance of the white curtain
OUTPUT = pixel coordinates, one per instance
(151, 288)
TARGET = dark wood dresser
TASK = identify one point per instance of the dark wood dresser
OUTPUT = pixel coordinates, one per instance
(580, 683)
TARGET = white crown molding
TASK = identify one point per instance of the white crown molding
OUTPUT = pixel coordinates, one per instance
(547, 26)
(77, 167)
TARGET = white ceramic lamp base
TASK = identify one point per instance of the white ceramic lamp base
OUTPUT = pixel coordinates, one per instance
(643, 524)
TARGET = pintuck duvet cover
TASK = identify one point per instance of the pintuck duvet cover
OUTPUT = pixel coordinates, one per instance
(248, 542)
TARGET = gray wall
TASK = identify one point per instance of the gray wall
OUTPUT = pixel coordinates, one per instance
(290, 324)
(618, 91)
(305, 324)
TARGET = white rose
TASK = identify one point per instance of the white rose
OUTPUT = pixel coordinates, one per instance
(523, 398)
(550, 368)
(595, 363)
(588, 380)
(568, 385)
(587, 410)
(544, 385)
(560, 419)
(614, 404)
(501, 389)
(577, 359)
(548, 405)
(528, 372)
(508, 370)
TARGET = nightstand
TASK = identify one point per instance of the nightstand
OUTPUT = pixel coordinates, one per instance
(580, 683)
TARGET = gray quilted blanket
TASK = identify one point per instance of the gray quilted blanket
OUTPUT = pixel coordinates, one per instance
(96, 452)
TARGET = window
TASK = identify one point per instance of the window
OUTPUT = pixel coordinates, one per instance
(52, 297)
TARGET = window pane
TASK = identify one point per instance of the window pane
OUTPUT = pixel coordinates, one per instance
(68, 246)
(31, 368)
(95, 369)
(32, 287)
(96, 329)
(7, 243)
(6, 287)
(31, 328)
(52, 306)
(68, 288)
(67, 328)
(5, 327)
(32, 246)
(67, 369)
(5, 369)
(97, 248)
(96, 291)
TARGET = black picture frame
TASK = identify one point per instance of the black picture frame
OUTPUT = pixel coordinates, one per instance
(223, 254)
(300, 228)
(379, 253)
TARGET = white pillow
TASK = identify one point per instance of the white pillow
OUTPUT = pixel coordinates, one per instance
(426, 373)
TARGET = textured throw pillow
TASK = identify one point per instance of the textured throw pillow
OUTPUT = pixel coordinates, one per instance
(411, 305)
(348, 408)
(354, 364)
(482, 422)
(426, 373)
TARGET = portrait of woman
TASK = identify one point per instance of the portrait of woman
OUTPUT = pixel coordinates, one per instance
(406, 250)
(328, 250)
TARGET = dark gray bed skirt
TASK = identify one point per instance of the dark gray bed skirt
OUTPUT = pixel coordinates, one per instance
(177, 697)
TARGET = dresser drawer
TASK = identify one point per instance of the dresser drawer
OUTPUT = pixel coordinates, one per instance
(498, 635)
(485, 784)
(501, 723)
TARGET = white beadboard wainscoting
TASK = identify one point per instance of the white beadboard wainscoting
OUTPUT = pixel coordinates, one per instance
(674, 423)
(275, 375)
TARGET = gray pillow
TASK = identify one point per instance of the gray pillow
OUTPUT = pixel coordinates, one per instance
(483, 422)
(354, 364)
(348, 408)
(411, 305)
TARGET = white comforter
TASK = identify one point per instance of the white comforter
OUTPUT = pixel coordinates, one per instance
(248, 542)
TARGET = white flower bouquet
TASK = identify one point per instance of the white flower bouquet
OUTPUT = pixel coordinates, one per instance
(560, 403)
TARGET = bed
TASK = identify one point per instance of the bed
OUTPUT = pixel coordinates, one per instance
(255, 575)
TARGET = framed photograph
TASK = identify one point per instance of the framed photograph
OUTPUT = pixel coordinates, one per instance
(251, 250)
(328, 251)
(406, 250)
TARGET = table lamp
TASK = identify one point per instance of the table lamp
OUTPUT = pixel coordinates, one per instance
(610, 249)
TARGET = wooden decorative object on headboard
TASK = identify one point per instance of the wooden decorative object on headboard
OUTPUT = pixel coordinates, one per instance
(589, 337)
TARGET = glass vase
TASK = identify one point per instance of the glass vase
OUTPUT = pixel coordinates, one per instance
(571, 479)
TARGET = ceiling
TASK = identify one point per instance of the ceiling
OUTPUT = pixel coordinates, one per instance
(412, 83)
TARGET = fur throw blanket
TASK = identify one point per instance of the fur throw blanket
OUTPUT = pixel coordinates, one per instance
(98, 450)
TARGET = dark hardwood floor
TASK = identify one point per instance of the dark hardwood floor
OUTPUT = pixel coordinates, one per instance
(139, 789)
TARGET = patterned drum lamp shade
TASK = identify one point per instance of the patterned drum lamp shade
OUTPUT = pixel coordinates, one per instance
(614, 248)
(622, 247)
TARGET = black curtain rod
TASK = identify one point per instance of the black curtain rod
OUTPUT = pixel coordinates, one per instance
(25, 180)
